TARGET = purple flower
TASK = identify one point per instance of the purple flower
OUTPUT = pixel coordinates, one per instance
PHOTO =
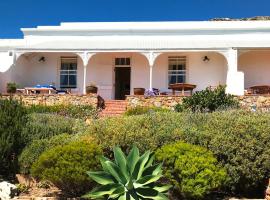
(149, 93)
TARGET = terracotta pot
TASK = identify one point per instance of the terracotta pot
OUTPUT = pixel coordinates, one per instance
(139, 91)
(91, 90)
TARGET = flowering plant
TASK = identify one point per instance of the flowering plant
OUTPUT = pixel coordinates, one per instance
(149, 93)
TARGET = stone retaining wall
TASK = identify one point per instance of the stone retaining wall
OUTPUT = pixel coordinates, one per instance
(249, 102)
(54, 99)
(163, 101)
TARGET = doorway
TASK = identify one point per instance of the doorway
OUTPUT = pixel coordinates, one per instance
(122, 82)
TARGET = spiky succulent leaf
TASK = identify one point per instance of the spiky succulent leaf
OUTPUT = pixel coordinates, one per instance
(123, 197)
(162, 188)
(103, 178)
(153, 170)
(150, 193)
(150, 160)
(129, 178)
(116, 172)
(102, 160)
(102, 191)
(133, 158)
(121, 161)
(140, 165)
(118, 192)
(146, 180)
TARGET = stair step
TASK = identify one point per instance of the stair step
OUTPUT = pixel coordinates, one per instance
(114, 108)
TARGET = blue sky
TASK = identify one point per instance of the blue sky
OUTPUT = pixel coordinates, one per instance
(15, 14)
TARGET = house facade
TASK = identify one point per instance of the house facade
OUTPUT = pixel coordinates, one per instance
(121, 56)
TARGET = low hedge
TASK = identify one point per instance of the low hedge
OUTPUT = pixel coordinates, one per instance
(140, 110)
(13, 117)
(32, 152)
(238, 139)
(193, 170)
(73, 111)
(147, 132)
(66, 166)
(40, 126)
(208, 100)
(241, 141)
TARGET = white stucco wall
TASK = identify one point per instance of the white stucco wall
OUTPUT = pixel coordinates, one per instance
(200, 73)
(29, 72)
(100, 70)
(256, 67)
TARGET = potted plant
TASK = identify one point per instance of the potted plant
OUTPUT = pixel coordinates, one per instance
(11, 88)
(139, 91)
(91, 89)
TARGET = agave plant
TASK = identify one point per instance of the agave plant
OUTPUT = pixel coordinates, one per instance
(131, 177)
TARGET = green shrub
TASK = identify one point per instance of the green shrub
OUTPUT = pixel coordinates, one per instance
(208, 100)
(31, 153)
(40, 126)
(144, 131)
(129, 177)
(73, 111)
(139, 110)
(65, 166)
(193, 170)
(12, 120)
(240, 140)
(11, 88)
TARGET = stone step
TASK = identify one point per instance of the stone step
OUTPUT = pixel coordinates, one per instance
(114, 108)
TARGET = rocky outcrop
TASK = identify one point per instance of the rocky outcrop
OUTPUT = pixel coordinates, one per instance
(256, 18)
(7, 190)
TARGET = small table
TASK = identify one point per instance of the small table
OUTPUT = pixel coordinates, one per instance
(260, 89)
(182, 87)
(28, 90)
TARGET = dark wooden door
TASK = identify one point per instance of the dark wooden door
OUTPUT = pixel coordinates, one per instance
(122, 82)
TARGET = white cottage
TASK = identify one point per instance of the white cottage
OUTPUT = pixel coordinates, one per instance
(121, 56)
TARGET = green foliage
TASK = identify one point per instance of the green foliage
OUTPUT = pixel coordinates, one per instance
(240, 140)
(22, 188)
(40, 126)
(139, 110)
(129, 177)
(73, 111)
(12, 120)
(31, 153)
(192, 169)
(11, 88)
(144, 131)
(65, 166)
(208, 100)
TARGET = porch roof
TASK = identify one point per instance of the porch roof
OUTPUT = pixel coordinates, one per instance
(98, 36)
(152, 28)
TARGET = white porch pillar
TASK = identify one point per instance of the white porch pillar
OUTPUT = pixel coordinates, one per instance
(151, 57)
(235, 79)
(85, 56)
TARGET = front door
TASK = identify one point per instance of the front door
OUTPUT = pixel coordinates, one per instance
(122, 82)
